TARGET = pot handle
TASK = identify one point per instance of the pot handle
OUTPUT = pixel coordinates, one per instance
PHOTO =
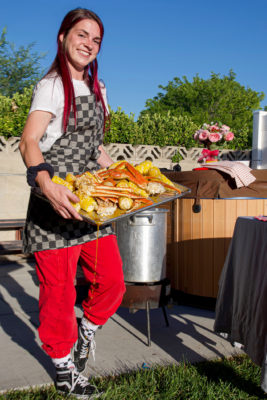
(132, 219)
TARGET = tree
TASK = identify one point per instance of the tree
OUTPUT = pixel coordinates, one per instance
(217, 99)
(19, 68)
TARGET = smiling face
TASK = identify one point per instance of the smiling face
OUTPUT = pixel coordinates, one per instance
(81, 45)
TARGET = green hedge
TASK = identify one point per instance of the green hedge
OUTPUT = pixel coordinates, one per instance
(156, 129)
(13, 113)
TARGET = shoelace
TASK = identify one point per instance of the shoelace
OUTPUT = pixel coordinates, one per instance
(88, 337)
(83, 382)
(78, 378)
(93, 348)
(84, 348)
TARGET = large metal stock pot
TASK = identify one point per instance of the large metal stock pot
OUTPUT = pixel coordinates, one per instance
(142, 244)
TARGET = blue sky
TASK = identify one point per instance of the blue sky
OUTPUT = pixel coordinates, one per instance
(149, 42)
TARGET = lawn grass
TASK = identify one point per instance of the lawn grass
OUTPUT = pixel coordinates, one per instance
(235, 378)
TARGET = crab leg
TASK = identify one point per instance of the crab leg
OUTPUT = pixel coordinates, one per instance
(145, 201)
(138, 204)
(113, 199)
(124, 170)
(124, 174)
(109, 182)
(142, 182)
(113, 188)
(116, 164)
(115, 195)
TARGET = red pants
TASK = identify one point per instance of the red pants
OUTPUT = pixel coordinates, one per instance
(56, 270)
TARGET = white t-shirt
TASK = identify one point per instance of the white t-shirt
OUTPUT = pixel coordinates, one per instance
(48, 95)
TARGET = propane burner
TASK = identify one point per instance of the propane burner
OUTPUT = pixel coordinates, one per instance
(142, 243)
(146, 296)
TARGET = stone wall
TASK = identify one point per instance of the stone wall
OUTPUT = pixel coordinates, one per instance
(14, 193)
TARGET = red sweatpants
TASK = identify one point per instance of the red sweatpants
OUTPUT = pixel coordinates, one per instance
(56, 270)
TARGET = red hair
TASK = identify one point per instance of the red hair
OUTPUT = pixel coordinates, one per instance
(60, 64)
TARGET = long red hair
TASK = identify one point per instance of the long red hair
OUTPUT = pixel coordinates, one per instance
(60, 65)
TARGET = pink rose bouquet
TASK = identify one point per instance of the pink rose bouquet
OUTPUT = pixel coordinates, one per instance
(210, 134)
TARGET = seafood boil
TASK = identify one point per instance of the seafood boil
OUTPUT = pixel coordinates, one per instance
(120, 188)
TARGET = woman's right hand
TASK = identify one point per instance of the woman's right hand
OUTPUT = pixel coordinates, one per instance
(59, 197)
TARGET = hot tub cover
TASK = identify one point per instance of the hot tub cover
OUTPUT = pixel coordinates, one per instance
(214, 184)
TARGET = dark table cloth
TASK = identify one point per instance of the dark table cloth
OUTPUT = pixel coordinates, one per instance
(241, 307)
(213, 184)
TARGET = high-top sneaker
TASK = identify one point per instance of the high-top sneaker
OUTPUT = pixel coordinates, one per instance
(69, 381)
(84, 345)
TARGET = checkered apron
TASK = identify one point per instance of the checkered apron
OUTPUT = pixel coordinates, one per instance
(76, 151)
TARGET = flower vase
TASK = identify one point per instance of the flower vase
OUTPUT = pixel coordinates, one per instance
(208, 155)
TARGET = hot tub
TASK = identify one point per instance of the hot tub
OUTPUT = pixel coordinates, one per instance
(198, 243)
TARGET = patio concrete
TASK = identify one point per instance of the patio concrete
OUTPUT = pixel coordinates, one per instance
(121, 343)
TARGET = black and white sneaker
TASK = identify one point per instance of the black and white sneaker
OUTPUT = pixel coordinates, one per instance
(70, 382)
(83, 347)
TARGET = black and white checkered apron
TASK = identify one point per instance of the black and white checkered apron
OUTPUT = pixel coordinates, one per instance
(76, 151)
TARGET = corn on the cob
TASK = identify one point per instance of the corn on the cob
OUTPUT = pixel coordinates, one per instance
(144, 167)
(88, 204)
(70, 178)
(125, 203)
(60, 181)
(137, 190)
(123, 183)
(93, 177)
(164, 179)
(77, 206)
(154, 171)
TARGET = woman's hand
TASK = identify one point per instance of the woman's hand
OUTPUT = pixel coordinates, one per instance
(60, 197)
(104, 159)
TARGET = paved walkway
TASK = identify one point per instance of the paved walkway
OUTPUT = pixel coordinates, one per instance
(121, 343)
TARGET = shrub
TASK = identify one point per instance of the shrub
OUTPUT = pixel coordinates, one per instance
(155, 129)
(13, 113)
(167, 130)
(122, 128)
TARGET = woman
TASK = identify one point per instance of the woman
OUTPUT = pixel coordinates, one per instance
(63, 133)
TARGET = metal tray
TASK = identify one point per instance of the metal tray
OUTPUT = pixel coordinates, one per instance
(95, 219)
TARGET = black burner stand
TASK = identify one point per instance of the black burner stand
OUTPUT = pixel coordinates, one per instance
(147, 296)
